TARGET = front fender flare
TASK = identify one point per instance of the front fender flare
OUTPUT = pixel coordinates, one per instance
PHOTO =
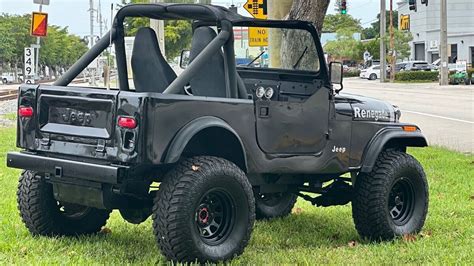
(392, 136)
(184, 135)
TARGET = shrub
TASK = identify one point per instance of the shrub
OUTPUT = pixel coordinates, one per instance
(470, 72)
(351, 73)
(417, 75)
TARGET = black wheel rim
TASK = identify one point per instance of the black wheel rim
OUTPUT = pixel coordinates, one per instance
(215, 216)
(401, 201)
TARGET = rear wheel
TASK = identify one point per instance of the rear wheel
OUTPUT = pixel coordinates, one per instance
(204, 211)
(392, 200)
(373, 76)
(274, 205)
(43, 215)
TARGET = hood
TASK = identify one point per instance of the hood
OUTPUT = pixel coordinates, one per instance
(370, 109)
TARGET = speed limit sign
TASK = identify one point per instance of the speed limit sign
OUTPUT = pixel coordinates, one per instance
(29, 62)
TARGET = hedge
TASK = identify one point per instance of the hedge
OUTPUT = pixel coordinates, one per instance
(417, 75)
(351, 73)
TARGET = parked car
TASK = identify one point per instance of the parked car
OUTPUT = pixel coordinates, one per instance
(418, 66)
(371, 73)
(9, 77)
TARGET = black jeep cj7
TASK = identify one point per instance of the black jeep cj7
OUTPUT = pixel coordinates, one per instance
(227, 144)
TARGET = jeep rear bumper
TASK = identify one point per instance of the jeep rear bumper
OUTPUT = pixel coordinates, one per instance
(59, 168)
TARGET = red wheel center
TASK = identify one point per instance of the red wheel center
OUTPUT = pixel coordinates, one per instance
(203, 215)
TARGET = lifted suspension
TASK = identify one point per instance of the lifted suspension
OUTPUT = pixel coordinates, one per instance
(337, 193)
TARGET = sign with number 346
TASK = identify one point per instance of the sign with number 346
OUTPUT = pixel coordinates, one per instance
(29, 63)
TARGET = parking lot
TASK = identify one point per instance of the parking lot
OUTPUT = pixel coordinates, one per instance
(444, 113)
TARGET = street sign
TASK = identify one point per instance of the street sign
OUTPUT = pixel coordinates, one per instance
(257, 8)
(258, 37)
(41, 2)
(29, 63)
(39, 24)
(405, 22)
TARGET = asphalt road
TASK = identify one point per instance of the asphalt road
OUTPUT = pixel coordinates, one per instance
(444, 114)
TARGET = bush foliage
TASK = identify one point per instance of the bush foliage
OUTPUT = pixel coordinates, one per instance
(351, 73)
(417, 75)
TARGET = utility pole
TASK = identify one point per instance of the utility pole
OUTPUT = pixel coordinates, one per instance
(393, 56)
(38, 45)
(382, 41)
(444, 43)
(99, 17)
(159, 27)
(91, 12)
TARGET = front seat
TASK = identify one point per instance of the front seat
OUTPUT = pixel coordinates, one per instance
(151, 72)
(210, 80)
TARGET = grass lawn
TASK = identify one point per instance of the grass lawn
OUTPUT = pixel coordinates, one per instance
(310, 235)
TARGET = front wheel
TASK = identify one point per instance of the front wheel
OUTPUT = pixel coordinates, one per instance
(204, 210)
(372, 76)
(392, 200)
(274, 205)
(43, 215)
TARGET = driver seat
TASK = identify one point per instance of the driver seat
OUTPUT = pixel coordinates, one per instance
(151, 72)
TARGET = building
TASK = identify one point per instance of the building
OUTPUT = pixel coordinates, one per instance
(425, 28)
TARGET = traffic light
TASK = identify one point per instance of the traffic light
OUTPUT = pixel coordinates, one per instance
(412, 4)
(343, 7)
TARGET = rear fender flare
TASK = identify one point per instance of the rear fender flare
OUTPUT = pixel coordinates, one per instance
(390, 138)
(186, 133)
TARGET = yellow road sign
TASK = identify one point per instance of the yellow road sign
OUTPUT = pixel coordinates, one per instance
(258, 37)
(39, 24)
(404, 22)
(257, 8)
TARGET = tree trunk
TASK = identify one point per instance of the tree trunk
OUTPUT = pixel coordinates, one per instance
(293, 41)
(309, 10)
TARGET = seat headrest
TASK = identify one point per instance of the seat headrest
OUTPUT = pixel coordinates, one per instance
(201, 38)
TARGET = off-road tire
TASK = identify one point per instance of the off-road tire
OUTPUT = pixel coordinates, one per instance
(375, 191)
(280, 205)
(372, 76)
(176, 219)
(41, 213)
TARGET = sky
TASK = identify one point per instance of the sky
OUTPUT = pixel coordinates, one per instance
(74, 13)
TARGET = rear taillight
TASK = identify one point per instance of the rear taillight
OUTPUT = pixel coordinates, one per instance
(127, 122)
(25, 111)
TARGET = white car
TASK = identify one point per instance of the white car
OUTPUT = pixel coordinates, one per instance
(10, 78)
(371, 73)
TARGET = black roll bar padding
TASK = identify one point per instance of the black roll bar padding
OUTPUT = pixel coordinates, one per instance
(229, 59)
(121, 57)
(198, 63)
(85, 60)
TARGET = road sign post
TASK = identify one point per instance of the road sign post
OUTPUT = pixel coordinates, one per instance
(29, 65)
(258, 9)
(39, 28)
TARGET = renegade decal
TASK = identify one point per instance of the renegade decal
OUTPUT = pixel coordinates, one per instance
(370, 114)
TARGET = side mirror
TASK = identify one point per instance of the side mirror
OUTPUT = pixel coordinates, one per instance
(335, 74)
(184, 59)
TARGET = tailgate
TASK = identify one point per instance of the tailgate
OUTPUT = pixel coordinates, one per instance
(80, 112)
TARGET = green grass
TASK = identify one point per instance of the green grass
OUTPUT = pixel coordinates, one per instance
(309, 236)
(10, 116)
